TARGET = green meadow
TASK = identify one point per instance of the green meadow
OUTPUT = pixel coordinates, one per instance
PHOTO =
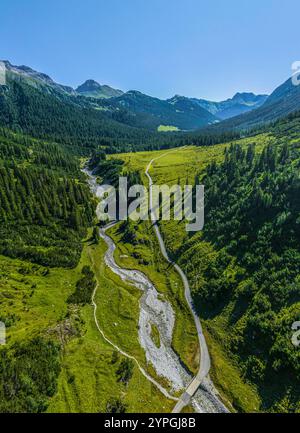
(88, 381)
(167, 128)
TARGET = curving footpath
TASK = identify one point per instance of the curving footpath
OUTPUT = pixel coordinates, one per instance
(205, 362)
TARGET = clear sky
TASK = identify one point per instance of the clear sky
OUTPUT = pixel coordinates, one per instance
(200, 48)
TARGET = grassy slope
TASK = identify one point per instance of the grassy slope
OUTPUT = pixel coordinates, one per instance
(35, 303)
(88, 379)
(181, 166)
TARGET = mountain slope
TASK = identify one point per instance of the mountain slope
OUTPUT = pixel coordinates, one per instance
(284, 92)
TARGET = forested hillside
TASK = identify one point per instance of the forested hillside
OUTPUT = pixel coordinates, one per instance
(45, 209)
(45, 206)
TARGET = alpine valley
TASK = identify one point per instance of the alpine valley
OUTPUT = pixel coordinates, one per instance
(135, 316)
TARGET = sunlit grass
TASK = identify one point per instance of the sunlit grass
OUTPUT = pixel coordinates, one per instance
(167, 128)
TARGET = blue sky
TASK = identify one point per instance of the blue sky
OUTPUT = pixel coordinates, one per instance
(209, 49)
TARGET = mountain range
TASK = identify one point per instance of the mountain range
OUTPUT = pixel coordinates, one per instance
(240, 103)
(135, 109)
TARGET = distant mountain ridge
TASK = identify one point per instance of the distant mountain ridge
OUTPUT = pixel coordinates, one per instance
(243, 111)
(140, 110)
(284, 100)
(91, 88)
(133, 107)
(239, 104)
